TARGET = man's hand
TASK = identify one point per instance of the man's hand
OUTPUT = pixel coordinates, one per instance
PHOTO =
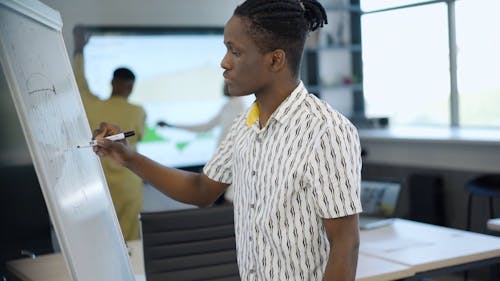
(117, 151)
(163, 124)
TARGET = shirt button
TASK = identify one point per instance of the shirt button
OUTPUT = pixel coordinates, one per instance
(252, 206)
(251, 271)
(254, 173)
(250, 238)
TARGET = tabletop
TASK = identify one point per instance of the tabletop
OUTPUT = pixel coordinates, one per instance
(52, 267)
(397, 251)
(426, 247)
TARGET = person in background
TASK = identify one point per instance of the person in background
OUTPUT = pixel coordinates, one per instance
(233, 107)
(125, 187)
(295, 162)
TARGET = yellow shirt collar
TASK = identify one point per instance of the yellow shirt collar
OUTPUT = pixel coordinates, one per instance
(253, 114)
(295, 98)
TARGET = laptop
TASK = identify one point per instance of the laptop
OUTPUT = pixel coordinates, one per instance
(379, 200)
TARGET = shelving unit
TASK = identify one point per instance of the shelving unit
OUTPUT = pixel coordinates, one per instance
(332, 66)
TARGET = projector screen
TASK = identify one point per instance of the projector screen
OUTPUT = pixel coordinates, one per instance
(178, 80)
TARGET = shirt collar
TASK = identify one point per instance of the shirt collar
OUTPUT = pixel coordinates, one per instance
(290, 104)
(253, 114)
(284, 109)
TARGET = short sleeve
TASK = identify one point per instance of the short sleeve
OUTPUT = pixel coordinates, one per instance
(335, 172)
(219, 168)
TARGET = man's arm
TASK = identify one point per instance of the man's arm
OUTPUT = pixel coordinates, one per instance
(343, 235)
(202, 127)
(81, 38)
(187, 187)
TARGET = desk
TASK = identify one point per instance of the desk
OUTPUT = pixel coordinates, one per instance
(53, 268)
(403, 250)
(430, 250)
(494, 224)
(376, 269)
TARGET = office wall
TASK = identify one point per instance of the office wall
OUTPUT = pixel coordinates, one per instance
(140, 13)
(216, 13)
(13, 147)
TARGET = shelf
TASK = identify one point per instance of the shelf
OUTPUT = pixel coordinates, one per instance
(332, 65)
(319, 89)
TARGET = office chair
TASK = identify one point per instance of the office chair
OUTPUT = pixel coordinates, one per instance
(190, 244)
(487, 185)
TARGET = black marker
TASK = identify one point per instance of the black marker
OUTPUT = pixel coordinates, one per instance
(116, 137)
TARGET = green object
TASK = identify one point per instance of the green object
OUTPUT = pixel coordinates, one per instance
(204, 135)
(150, 135)
(181, 145)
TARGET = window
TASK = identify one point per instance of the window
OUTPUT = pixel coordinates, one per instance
(373, 5)
(407, 71)
(406, 65)
(478, 70)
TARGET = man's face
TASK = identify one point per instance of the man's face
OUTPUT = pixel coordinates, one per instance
(246, 69)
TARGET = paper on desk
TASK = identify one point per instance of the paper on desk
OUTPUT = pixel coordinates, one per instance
(394, 245)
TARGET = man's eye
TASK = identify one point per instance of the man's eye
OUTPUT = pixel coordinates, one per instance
(235, 52)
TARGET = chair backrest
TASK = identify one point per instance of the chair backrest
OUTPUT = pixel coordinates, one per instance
(484, 185)
(190, 244)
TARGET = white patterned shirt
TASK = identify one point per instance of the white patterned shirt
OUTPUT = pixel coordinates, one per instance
(303, 166)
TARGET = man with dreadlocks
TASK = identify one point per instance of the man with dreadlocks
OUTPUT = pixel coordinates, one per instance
(293, 161)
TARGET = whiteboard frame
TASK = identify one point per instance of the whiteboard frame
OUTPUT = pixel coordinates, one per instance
(42, 14)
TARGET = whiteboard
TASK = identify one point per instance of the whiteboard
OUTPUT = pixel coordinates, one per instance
(41, 82)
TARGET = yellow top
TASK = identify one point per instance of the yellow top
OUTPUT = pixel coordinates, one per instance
(253, 115)
(125, 187)
(90, 102)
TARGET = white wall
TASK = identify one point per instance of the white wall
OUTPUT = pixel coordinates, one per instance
(216, 13)
(141, 13)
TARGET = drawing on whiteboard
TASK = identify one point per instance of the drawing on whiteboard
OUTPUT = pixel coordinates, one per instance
(45, 95)
(37, 83)
(48, 107)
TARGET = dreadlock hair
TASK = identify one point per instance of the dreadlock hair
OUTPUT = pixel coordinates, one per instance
(282, 24)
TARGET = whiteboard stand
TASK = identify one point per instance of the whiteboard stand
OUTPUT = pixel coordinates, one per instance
(44, 92)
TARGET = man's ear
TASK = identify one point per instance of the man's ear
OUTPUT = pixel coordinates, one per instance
(278, 60)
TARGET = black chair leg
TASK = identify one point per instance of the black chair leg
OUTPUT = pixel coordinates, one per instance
(469, 207)
(468, 226)
(494, 272)
(492, 212)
